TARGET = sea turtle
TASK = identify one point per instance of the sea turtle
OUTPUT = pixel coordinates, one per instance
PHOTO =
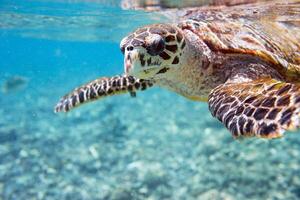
(243, 60)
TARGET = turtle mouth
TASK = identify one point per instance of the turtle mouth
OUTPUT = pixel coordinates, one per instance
(145, 73)
(134, 65)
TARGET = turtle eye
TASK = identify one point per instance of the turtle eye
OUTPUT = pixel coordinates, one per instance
(156, 45)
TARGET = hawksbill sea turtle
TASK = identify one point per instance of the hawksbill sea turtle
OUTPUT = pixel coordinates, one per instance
(243, 60)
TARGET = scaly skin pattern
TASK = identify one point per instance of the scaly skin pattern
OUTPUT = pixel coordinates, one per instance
(220, 56)
(262, 108)
(101, 88)
(269, 31)
(177, 65)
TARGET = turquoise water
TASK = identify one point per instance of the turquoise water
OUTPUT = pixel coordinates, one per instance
(156, 146)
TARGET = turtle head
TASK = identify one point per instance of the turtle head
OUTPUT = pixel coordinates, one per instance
(151, 51)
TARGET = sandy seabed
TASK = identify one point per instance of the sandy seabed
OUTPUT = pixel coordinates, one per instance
(155, 146)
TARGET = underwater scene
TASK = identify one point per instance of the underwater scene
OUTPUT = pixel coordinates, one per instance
(155, 145)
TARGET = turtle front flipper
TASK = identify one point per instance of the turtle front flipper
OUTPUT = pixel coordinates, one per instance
(100, 88)
(262, 108)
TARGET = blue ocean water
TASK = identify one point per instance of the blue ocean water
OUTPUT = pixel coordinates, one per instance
(156, 146)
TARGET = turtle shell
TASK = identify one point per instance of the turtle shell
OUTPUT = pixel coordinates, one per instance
(269, 31)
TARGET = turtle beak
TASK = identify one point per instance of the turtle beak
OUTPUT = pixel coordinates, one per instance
(127, 65)
(132, 64)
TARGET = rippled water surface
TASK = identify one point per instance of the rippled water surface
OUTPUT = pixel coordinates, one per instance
(156, 146)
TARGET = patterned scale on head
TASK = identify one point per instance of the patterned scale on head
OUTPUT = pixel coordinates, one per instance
(152, 50)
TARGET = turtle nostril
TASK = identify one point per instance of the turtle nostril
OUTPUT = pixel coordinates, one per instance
(129, 48)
